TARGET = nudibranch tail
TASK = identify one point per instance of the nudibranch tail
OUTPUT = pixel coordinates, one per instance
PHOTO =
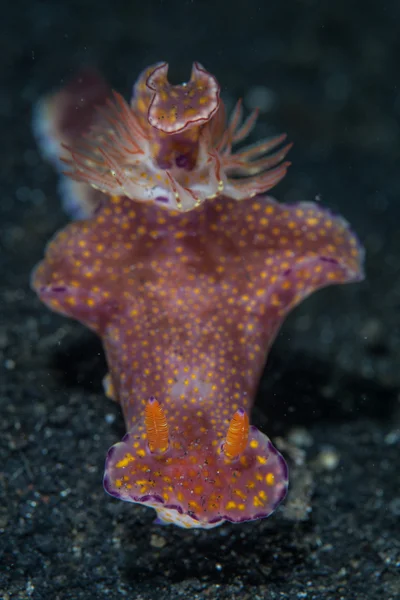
(171, 146)
(192, 483)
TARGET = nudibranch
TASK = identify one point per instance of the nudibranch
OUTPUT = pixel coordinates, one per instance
(187, 306)
(170, 146)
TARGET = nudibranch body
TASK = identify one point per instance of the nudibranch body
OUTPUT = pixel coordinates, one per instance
(170, 146)
(187, 306)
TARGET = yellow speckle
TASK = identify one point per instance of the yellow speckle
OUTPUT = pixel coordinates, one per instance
(258, 502)
(141, 453)
(253, 444)
(125, 461)
(230, 505)
(262, 460)
(241, 494)
(270, 479)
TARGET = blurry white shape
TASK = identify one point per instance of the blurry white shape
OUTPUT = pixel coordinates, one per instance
(260, 97)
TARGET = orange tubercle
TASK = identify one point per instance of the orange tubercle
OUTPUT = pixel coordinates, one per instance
(156, 426)
(238, 434)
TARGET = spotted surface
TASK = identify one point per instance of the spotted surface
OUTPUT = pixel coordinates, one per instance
(175, 108)
(187, 307)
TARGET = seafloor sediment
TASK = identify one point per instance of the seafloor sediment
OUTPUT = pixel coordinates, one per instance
(328, 77)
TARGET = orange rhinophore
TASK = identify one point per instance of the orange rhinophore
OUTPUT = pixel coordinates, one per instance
(238, 434)
(156, 426)
(187, 305)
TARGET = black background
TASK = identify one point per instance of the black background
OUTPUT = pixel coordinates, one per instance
(331, 72)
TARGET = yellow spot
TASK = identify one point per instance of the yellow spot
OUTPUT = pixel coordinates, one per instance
(253, 444)
(262, 460)
(141, 453)
(230, 505)
(270, 479)
(257, 502)
(125, 461)
(275, 301)
(241, 495)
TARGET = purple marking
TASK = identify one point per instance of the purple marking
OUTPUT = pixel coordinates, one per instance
(150, 497)
(241, 411)
(215, 520)
(110, 452)
(98, 208)
(58, 289)
(287, 272)
(158, 521)
(192, 515)
(174, 507)
(284, 467)
(328, 259)
(281, 496)
(110, 490)
(182, 161)
(162, 199)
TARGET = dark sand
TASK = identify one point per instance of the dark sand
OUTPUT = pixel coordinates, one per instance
(332, 381)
